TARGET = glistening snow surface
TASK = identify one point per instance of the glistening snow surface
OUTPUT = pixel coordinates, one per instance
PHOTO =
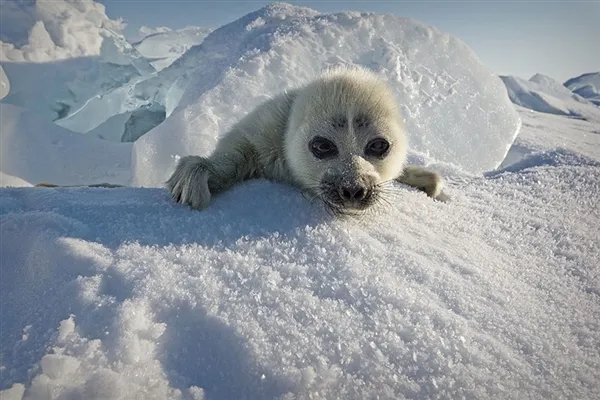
(119, 293)
(456, 111)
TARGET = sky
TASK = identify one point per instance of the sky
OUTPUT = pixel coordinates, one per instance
(521, 38)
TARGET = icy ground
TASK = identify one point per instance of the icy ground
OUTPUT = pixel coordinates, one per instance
(545, 94)
(120, 294)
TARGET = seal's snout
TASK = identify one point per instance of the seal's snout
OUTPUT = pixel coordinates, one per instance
(353, 193)
(357, 193)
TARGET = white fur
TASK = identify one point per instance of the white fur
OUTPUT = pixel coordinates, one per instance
(272, 141)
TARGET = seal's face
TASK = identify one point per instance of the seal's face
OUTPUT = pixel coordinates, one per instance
(346, 141)
(353, 158)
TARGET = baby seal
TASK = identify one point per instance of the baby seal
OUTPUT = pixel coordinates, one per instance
(339, 137)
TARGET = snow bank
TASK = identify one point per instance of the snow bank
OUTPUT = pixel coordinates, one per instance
(119, 293)
(163, 46)
(456, 110)
(38, 151)
(544, 94)
(586, 85)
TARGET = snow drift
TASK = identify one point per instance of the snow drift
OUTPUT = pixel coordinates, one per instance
(544, 94)
(456, 110)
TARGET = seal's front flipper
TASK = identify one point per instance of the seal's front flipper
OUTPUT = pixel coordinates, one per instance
(428, 181)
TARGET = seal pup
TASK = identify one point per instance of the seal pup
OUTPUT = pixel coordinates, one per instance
(340, 138)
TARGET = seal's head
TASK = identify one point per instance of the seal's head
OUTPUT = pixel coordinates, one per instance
(345, 139)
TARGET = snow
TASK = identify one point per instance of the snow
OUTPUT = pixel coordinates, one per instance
(544, 94)
(163, 46)
(119, 293)
(37, 151)
(586, 85)
(575, 135)
(456, 110)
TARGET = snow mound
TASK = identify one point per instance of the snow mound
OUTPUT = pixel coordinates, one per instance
(86, 81)
(544, 94)
(456, 111)
(586, 85)
(119, 293)
(35, 151)
(165, 46)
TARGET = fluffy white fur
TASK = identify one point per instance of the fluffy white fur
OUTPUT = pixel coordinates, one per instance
(348, 107)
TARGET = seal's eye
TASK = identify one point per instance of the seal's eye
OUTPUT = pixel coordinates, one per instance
(322, 148)
(377, 148)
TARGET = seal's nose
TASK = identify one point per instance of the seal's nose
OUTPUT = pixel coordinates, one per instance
(352, 193)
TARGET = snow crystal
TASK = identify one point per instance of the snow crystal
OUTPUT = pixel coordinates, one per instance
(456, 111)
